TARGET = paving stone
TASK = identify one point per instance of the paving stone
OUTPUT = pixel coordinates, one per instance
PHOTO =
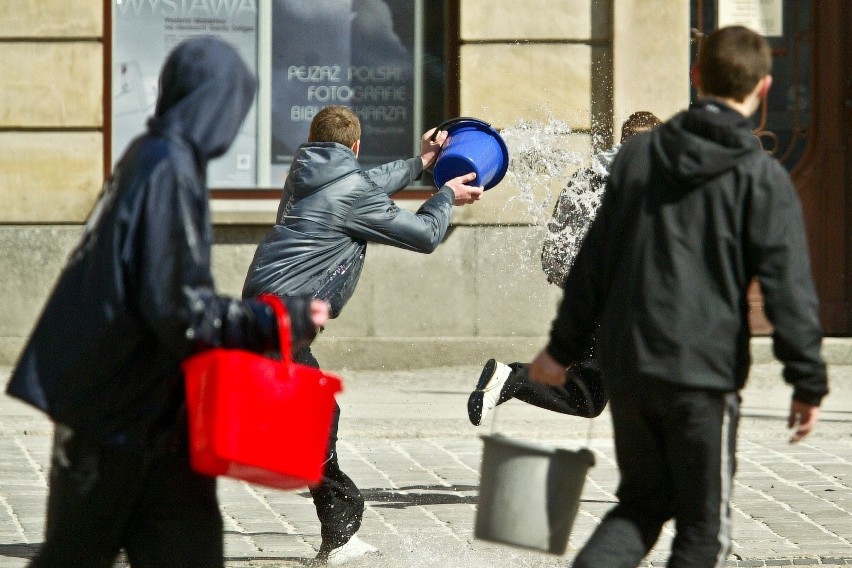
(792, 505)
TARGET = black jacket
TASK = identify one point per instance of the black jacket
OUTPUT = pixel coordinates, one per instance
(329, 210)
(692, 212)
(137, 296)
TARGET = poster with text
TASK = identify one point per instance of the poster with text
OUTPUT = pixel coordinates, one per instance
(763, 16)
(355, 53)
(144, 33)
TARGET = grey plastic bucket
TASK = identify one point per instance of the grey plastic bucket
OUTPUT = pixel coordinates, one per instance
(529, 494)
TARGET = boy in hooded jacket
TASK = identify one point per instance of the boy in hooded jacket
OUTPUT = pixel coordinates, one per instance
(330, 209)
(693, 211)
(135, 299)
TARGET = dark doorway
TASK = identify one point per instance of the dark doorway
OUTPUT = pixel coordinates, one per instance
(806, 125)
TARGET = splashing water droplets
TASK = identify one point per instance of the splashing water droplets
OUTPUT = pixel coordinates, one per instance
(540, 166)
(538, 159)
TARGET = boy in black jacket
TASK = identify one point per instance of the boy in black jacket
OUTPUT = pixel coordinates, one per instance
(330, 209)
(135, 299)
(693, 212)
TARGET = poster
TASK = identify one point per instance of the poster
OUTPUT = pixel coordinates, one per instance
(143, 34)
(355, 53)
(763, 16)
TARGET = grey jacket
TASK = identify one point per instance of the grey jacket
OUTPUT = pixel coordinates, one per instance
(330, 209)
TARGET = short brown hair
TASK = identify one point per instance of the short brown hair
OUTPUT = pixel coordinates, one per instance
(731, 61)
(639, 121)
(335, 124)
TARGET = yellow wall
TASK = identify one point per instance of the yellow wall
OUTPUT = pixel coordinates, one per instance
(51, 109)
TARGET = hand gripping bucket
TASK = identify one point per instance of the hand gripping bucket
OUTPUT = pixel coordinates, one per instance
(529, 494)
(472, 146)
(258, 419)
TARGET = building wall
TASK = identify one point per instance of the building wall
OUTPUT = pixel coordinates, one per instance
(51, 111)
(481, 294)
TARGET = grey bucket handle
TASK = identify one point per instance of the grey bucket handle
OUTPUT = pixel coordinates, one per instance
(590, 404)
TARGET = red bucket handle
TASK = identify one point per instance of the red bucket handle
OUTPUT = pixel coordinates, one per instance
(283, 324)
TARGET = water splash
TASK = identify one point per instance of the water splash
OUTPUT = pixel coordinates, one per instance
(540, 168)
(538, 159)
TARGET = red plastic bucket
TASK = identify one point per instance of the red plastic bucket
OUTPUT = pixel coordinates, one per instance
(259, 419)
(472, 146)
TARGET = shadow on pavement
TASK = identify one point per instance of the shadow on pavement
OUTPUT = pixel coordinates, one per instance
(414, 495)
(19, 550)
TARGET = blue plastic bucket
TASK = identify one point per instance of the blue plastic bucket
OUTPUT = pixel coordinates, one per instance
(472, 146)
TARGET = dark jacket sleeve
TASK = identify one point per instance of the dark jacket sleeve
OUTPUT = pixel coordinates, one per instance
(778, 252)
(170, 252)
(395, 176)
(376, 218)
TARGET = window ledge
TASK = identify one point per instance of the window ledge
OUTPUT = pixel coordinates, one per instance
(255, 211)
(243, 211)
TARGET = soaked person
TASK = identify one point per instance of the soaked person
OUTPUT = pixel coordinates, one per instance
(135, 299)
(693, 211)
(583, 394)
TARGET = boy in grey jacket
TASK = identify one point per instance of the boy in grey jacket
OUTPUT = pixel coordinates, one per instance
(330, 209)
(693, 211)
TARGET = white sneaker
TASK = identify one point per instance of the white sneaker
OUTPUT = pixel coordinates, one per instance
(353, 548)
(487, 393)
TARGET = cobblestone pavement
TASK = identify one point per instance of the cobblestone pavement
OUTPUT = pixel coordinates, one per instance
(406, 441)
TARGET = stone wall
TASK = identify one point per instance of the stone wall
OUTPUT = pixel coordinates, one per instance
(51, 109)
(482, 294)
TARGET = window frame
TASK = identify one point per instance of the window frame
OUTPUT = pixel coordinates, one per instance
(264, 187)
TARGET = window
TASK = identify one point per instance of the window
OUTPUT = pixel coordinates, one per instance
(383, 58)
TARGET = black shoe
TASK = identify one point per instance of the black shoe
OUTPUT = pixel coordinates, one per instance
(488, 388)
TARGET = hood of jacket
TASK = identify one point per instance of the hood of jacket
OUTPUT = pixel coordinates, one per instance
(319, 164)
(206, 91)
(702, 143)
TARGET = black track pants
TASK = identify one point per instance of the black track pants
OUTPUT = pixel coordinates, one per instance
(582, 395)
(675, 449)
(338, 501)
(104, 498)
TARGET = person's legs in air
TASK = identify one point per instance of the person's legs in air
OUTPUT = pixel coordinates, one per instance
(583, 394)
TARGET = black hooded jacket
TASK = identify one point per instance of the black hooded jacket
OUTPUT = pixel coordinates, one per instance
(329, 210)
(693, 211)
(137, 295)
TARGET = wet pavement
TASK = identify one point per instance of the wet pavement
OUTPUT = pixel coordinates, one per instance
(406, 441)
